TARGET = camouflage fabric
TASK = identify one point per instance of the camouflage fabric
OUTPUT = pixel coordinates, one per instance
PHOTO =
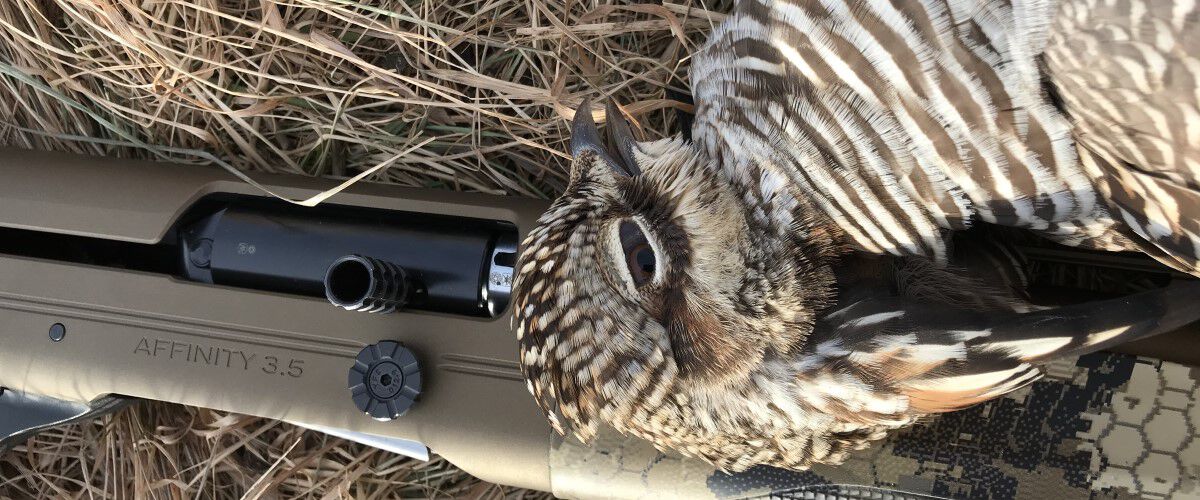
(1103, 426)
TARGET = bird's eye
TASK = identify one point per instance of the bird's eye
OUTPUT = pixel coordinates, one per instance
(639, 256)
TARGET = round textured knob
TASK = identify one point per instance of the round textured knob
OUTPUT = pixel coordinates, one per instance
(385, 380)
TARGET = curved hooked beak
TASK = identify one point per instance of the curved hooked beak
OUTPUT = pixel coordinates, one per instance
(617, 150)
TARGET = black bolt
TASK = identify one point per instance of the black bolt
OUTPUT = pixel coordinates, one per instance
(58, 332)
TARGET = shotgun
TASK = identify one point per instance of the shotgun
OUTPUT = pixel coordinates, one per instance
(124, 280)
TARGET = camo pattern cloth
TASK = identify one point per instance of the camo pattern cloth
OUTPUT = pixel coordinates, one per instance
(1104, 426)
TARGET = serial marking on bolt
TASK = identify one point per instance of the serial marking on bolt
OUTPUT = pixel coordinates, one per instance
(501, 279)
(218, 357)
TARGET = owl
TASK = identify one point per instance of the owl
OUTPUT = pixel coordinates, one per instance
(781, 289)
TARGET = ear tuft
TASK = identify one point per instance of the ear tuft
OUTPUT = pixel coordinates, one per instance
(620, 136)
(585, 137)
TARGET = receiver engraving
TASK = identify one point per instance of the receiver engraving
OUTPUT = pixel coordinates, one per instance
(219, 357)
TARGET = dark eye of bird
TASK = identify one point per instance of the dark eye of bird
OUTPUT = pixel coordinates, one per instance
(639, 257)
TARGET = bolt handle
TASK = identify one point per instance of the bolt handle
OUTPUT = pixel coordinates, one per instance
(367, 284)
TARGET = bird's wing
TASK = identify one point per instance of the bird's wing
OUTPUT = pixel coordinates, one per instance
(899, 120)
(1128, 74)
(946, 359)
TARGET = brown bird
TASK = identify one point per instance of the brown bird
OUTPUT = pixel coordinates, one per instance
(781, 290)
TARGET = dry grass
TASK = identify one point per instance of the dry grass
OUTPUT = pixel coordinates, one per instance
(157, 450)
(328, 87)
(313, 87)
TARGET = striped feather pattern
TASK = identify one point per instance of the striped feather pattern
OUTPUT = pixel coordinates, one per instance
(945, 358)
(899, 119)
(1129, 75)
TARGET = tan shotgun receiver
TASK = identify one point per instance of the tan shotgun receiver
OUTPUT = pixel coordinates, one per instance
(157, 336)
